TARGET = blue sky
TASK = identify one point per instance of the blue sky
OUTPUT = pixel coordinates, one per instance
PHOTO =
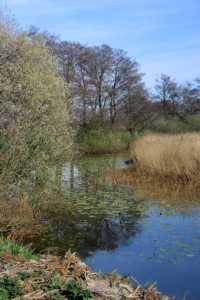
(163, 36)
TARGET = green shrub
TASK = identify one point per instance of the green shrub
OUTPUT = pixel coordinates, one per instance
(34, 103)
(103, 140)
(9, 287)
(170, 125)
(194, 122)
(75, 291)
(14, 248)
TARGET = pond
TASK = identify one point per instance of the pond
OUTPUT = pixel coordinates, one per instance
(113, 226)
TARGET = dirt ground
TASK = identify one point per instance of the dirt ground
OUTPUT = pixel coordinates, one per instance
(68, 268)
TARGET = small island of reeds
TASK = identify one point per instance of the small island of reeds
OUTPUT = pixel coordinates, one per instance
(176, 156)
(167, 160)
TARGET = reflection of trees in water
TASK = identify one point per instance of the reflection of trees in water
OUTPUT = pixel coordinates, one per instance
(88, 171)
(88, 234)
(97, 215)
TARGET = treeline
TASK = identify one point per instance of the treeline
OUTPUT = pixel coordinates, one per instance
(106, 87)
(178, 106)
(104, 83)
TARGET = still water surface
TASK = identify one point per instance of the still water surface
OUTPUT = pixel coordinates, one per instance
(117, 227)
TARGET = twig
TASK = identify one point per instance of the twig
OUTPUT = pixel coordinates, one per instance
(135, 281)
(152, 285)
(113, 271)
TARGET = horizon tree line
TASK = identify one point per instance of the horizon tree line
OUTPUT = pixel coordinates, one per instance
(106, 87)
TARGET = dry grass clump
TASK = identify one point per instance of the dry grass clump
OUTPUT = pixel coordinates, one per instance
(164, 166)
(155, 187)
(18, 218)
(174, 156)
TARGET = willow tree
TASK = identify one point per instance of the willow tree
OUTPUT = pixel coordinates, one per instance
(34, 119)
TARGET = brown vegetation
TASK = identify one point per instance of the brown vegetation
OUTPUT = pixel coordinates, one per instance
(55, 272)
(168, 156)
(18, 217)
(164, 165)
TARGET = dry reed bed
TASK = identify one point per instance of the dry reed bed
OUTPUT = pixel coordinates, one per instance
(170, 156)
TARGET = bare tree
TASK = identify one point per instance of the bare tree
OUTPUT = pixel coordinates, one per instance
(137, 111)
(169, 94)
(100, 81)
(190, 100)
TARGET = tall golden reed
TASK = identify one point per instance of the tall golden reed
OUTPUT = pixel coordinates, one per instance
(168, 155)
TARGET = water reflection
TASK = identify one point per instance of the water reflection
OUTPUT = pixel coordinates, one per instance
(95, 215)
(112, 226)
(84, 234)
(99, 216)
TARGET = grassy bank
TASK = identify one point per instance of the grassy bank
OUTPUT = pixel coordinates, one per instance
(176, 157)
(103, 140)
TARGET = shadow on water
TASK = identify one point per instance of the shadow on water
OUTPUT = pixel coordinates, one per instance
(116, 227)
